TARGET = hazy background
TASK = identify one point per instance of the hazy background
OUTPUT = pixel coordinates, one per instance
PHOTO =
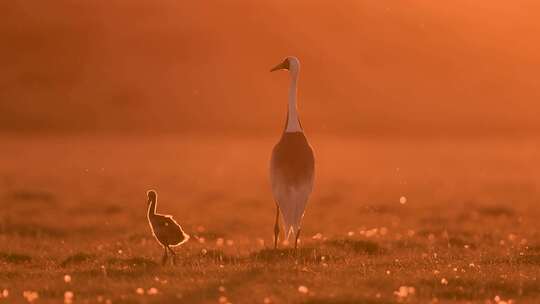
(432, 101)
(369, 67)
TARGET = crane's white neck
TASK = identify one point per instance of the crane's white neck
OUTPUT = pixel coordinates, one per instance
(293, 122)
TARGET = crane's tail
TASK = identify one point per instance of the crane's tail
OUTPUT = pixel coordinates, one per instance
(290, 230)
(292, 205)
(291, 223)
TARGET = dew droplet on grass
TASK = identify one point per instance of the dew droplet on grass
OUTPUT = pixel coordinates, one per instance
(67, 278)
(68, 297)
(405, 291)
(303, 289)
(403, 200)
(317, 236)
(139, 291)
(371, 232)
(30, 296)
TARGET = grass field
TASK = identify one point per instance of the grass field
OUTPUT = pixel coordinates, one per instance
(467, 233)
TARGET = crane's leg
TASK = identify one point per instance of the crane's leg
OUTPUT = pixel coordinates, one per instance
(165, 257)
(276, 227)
(296, 240)
(173, 255)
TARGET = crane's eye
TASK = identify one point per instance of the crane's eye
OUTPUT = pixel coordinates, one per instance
(286, 63)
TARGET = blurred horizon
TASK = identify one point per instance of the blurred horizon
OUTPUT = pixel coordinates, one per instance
(460, 68)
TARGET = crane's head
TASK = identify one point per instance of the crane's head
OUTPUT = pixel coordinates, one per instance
(290, 63)
(152, 195)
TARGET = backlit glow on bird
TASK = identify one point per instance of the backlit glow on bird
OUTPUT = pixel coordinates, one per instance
(164, 228)
(292, 164)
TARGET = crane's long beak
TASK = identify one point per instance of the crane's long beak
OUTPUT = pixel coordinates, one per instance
(282, 66)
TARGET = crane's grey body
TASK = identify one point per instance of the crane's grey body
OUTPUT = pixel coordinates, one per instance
(292, 174)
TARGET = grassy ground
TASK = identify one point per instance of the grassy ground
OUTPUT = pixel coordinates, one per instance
(468, 232)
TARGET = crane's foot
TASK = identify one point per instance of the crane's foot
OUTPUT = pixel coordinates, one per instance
(276, 236)
(296, 242)
(276, 228)
(165, 258)
(173, 256)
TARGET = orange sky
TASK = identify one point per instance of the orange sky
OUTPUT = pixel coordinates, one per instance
(368, 66)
